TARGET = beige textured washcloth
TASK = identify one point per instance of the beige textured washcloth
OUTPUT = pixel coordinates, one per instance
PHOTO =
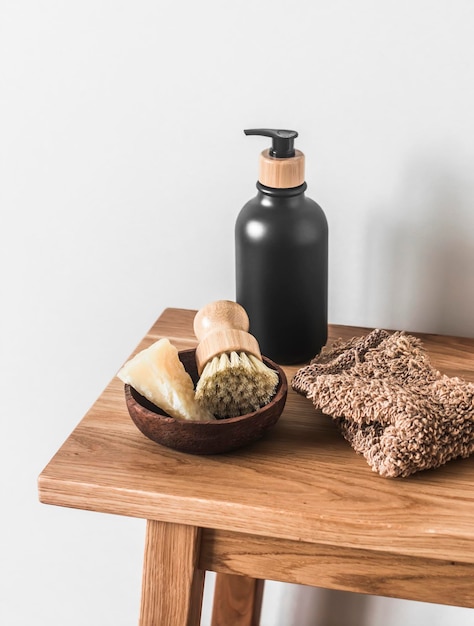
(390, 403)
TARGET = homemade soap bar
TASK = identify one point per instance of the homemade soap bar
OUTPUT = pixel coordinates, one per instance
(158, 375)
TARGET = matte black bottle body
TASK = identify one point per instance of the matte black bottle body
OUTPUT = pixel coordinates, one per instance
(281, 246)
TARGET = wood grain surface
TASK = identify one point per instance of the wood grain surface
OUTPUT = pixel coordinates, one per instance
(301, 485)
(172, 585)
(333, 567)
(237, 601)
(281, 173)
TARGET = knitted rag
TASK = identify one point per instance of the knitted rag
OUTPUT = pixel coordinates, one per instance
(390, 403)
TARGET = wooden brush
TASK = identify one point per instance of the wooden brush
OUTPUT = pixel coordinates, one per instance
(233, 378)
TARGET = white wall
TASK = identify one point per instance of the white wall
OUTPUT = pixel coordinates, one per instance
(123, 166)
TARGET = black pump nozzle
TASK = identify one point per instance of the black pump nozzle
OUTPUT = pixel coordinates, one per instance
(282, 141)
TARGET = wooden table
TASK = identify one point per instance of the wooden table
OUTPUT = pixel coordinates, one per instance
(298, 506)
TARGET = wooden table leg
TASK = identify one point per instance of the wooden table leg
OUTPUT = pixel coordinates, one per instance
(237, 600)
(172, 585)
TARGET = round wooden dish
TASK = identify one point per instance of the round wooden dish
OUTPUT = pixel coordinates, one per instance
(205, 437)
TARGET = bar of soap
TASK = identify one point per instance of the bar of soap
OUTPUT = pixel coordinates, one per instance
(158, 375)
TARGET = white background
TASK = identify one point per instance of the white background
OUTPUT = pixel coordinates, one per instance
(123, 166)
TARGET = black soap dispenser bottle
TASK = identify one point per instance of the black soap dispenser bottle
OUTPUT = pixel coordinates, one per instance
(281, 248)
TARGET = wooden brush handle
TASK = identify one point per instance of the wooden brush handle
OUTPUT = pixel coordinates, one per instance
(222, 327)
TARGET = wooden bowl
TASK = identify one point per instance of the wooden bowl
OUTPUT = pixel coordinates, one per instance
(210, 436)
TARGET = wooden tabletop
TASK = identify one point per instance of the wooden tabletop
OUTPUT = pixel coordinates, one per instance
(302, 482)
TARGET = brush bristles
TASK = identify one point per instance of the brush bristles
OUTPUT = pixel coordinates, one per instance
(235, 384)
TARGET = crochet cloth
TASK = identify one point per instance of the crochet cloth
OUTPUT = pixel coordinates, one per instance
(390, 403)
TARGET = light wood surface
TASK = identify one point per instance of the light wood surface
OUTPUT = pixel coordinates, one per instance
(332, 567)
(281, 173)
(238, 601)
(172, 585)
(299, 505)
(222, 327)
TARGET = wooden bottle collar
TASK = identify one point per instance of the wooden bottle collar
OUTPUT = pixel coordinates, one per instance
(281, 173)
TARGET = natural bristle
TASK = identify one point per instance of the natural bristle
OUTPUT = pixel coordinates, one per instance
(235, 384)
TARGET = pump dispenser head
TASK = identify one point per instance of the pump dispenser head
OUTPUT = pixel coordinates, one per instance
(281, 166)
(282, 141)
